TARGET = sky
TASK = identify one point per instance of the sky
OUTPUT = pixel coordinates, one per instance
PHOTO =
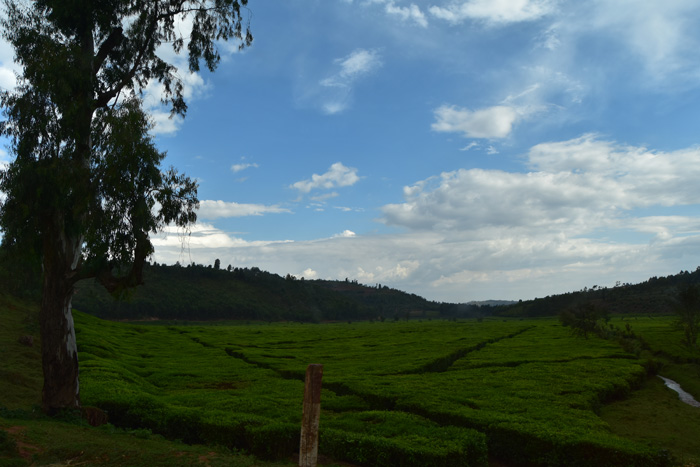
(459, 150)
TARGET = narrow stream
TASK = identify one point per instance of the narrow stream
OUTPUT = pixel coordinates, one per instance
(684, 396)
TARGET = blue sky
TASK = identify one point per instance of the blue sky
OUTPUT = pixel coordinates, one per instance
(460, 150)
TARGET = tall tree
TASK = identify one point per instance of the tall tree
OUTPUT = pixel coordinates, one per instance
(85, 188)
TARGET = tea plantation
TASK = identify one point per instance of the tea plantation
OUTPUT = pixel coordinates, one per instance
(395, 393)
(408, 393)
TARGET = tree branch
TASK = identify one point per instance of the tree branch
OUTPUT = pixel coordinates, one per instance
(113, 40)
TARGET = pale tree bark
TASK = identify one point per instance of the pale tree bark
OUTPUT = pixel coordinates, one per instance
(59, 349)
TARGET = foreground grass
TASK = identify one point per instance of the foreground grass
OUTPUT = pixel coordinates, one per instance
(62, 443)
(655, 415)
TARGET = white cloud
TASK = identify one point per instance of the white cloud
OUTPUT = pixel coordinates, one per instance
(4, 158)
(8, 67)
(575, 188)
(194, 88)
(235, 168)
(650, 43)
(173, 241)
(407, 13)
(194, 85)
(358, 63)
(345, 234)
(491, 122)
(511, 254)
(662, 34)
(335, 90)
(494, 12)
(210, 210)
(337, 176)
(334, 107)
(325, 196)
(470, 146)
(308, 274)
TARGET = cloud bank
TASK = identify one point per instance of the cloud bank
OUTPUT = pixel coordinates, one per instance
(210, 209)
(588, 211)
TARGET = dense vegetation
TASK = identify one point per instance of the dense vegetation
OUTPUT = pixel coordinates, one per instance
(654, 296)
(198, 293)
(395, 393)
(201, 293)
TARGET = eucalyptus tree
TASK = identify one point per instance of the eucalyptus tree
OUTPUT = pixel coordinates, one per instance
(85, 189)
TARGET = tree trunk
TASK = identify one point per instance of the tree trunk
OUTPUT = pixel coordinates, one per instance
(59, 351)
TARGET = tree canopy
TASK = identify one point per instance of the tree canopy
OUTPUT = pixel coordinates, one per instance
(85, 188)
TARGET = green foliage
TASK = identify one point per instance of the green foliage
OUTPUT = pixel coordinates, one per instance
(20, 374)
(515, 390)
(653, 296)
(8, 446)
(518, 389)
(585, 319)
(20, 271)
(198, 293)
(688, 315)
(653, 415)
(396, 438)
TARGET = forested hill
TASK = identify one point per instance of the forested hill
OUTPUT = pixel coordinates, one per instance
(656, 295)
(197, 292)
(200, 292)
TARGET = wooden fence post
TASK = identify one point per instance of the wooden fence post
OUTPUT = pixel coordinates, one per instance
(308, 448)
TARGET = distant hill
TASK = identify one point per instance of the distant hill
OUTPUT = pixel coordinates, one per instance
(204, 293)
(654, 296)
(197, 292)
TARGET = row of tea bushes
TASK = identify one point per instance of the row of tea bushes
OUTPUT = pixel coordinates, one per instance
(525, 392)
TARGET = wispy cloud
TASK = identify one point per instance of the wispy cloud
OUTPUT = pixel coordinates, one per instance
(235, 168)
(410, 13)
(493, 12)
(660, 34)
(337, 175)
(210, 209)
(348, 70)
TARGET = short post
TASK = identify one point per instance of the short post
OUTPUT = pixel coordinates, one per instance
(308, 448)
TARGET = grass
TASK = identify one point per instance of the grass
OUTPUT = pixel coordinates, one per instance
(40, 441)
(20, 378)
(654, 415)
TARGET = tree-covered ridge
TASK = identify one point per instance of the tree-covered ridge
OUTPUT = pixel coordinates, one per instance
(656, 295)
(198, 292)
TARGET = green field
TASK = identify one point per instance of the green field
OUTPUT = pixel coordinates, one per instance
(451, 393)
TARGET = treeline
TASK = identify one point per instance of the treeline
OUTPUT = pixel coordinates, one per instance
(655, 295)
(196, 292)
